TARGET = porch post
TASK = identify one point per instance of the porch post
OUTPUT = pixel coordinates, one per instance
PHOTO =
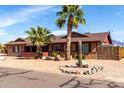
(30, 48)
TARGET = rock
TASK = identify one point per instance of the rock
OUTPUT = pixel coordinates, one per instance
(77, 72)
(72, 72)
(89, 71)
(43, 58)
(81, 72)
(58, 58)
(48, 58)
(59, 68)
(85, 66)
(62, 70)
(66, 71)
(66, 66)
(69, 72)
(77, 64)
(93, 71)
(101, 68)
(86, 72)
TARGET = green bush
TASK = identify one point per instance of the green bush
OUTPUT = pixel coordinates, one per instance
(77, 56)
(83, 57)
(54, 54)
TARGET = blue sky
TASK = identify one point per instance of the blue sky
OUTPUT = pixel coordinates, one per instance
(15, 20)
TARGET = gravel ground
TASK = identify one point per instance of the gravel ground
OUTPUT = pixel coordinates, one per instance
(113, 69)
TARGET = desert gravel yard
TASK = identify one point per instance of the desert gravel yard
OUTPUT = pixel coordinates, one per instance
(113, 70)
(20, 78)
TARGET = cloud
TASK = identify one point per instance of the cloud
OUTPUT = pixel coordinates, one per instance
(7, 22)
(34, 9)
(121, 32)
(59, 32)
(118, 35)
(56, 9)
(23, 15)
(118, 13)
(2, 32)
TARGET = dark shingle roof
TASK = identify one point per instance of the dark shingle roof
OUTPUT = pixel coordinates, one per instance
(98, 36)
(89, 37)
(83, 37)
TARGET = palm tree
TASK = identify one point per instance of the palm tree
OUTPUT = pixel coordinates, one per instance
(39, 37)
(1, 48)
(73, 16)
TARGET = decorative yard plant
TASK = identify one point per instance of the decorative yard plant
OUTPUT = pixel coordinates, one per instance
(39, 36)
(71, 16)
(80, 54)
(81, 62)
(54, 54)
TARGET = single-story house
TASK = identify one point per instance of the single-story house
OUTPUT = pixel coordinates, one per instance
(90, 41)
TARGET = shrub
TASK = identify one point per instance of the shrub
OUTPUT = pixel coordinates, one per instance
(77, 56)
(83, 56)
(54, 54)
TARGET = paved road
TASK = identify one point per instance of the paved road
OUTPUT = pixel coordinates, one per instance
(12, 78)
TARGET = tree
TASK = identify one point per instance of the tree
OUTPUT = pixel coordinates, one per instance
(73, 16)
(1, 48)
(39, 37)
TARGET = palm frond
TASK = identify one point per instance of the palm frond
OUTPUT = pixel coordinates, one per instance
(83, 21)
(60, 22)
(39, 36)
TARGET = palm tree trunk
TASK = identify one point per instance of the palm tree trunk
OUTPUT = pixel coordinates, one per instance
(69, 31)
(68, 51)
(39, 51)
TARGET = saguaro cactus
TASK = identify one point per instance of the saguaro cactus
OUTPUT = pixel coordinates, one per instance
(80, 54)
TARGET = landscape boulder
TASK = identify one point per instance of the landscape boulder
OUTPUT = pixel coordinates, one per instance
(58, 58)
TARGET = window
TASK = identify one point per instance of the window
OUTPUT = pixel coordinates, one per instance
(33, 48)
(15, 49)
(58, 47)
(85, 48)
(27, 48)
(45, 48)
(30, 48)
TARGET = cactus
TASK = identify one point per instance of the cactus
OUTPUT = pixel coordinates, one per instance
(80, 54)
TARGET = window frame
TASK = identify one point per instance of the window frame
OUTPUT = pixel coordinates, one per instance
(58, 47)
(86, 47)
(15, 49)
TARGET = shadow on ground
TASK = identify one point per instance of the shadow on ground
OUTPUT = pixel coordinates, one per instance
(91, 83)
(14, 77)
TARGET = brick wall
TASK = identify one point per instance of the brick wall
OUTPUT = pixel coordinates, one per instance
(28, 54)
(11, 53)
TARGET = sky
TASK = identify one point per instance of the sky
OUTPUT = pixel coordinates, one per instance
(15, 20)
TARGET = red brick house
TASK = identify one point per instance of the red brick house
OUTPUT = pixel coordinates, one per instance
(90, 41)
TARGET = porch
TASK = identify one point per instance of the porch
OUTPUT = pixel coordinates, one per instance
(88, 49)
(31, 51)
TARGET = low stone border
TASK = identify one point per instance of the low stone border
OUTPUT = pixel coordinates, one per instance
(69, 72)
(71, 66)
(91, 70)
